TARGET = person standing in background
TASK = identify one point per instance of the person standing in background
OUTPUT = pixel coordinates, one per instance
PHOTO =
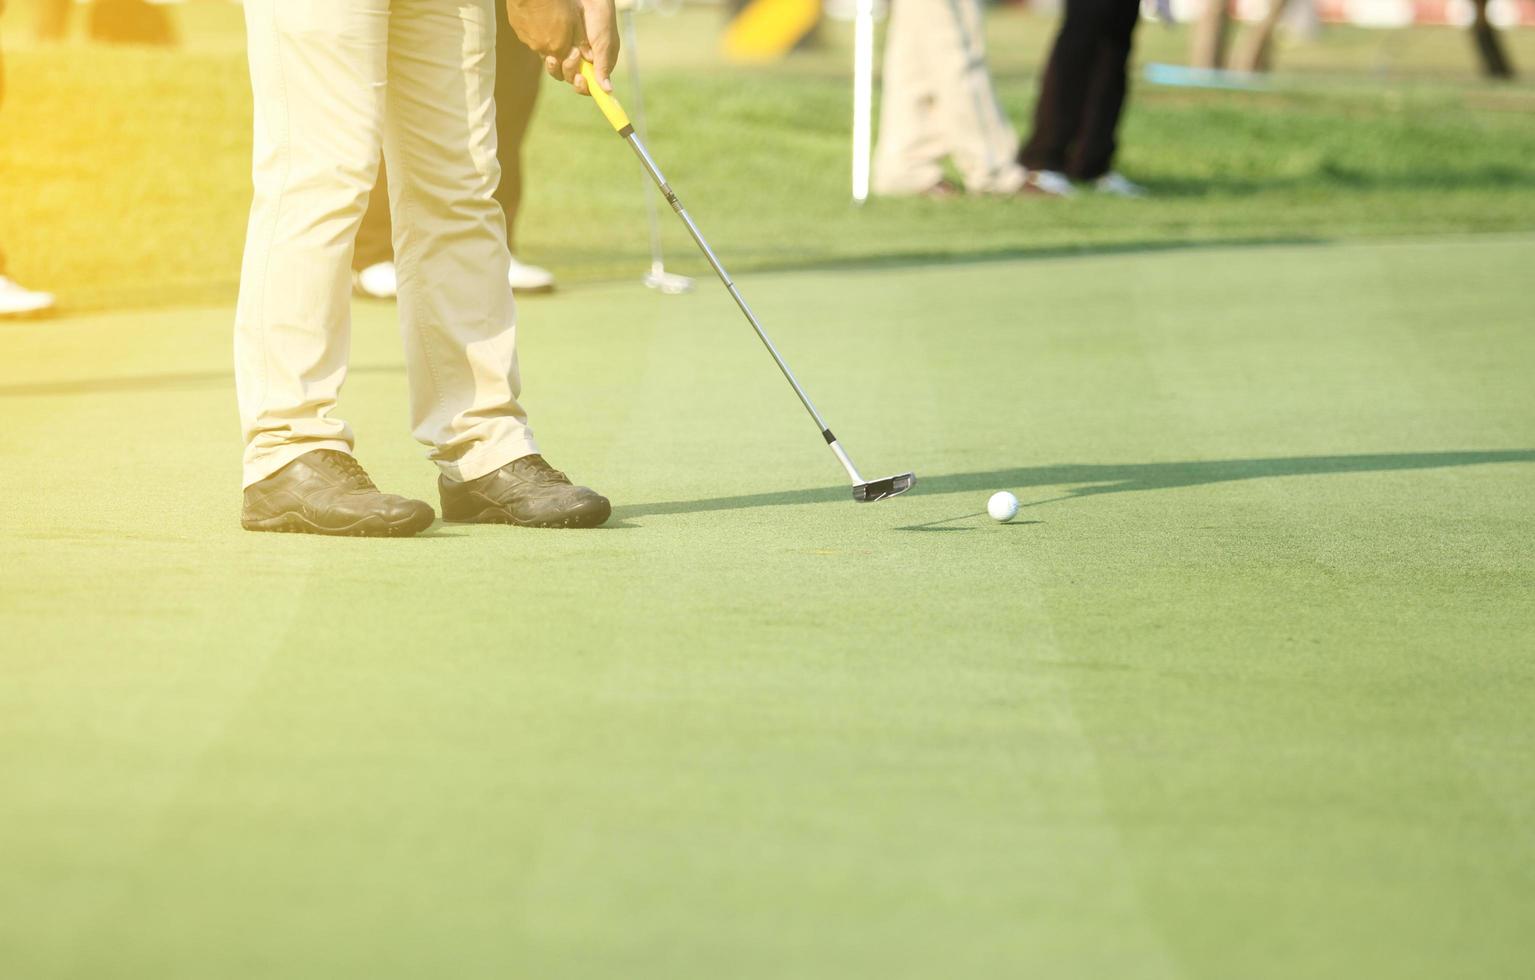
(1080, 101)
(15, 299)
(518, 71)
(938, 104)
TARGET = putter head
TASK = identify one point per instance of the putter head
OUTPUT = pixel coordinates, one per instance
(890, 486)
(668, 282)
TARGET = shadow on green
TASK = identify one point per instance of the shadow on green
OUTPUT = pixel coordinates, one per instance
(1101, 478)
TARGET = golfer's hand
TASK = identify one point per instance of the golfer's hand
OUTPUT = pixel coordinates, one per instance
(554, 29)
(601, 50)
(559, 31)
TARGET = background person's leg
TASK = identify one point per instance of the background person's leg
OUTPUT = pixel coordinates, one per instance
(317, 76)
(1063, 88)
(909, 152)
(1092, 154)
(976, 135)
(375, 242)
(456, 310)
(518, 73)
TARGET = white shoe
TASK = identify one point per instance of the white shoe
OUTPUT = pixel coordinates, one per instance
(529, 278)
(1051, 183)
(16, 300)
(1119, 185)
(377, 281)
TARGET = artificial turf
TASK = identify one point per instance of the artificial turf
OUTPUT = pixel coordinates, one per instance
(1245, 691)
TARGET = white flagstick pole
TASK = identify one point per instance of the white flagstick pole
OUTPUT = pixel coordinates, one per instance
(863, 96)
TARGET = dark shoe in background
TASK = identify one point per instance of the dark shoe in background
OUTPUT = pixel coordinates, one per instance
(944, 190)
(328, 492)
(527, 492)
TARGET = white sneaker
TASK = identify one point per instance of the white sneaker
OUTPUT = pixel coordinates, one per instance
(1051, 183)
(1119, 185)
(377, 281)
(529, 278)
(16, 300)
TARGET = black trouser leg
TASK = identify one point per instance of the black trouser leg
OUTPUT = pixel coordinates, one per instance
(1092, 154)
(1063, 88)
(373, 244)
(518, 71)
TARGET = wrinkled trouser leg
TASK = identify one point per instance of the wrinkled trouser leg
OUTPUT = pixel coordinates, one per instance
(937, 101)
(908, 157)
(329, 79)
(318, 74)
(456, 311)
(518, 73)
(980, 140)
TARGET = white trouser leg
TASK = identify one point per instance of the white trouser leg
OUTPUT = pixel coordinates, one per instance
(908, 157)
(980, 140)
(317, 76)
(456, 310)
(937, 101)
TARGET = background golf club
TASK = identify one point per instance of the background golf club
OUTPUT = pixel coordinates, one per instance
(864, 491)
(670, 283)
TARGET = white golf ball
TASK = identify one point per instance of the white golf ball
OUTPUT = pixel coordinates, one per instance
(1002, 506)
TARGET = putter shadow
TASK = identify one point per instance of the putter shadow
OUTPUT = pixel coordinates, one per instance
(969, 527)
(938, 525)
(917, 259)
(1093, 479)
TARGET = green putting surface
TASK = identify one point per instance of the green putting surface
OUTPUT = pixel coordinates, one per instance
(1244, 691)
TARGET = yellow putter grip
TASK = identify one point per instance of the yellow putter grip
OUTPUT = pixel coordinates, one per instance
(605, 102)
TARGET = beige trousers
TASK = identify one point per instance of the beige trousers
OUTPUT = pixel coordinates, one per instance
(936, 101)
(334, 81)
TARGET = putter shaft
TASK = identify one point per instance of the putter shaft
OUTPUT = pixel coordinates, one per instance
(638, 146)
(863, 490)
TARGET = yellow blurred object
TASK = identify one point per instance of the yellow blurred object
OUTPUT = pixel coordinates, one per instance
(766, 30)
(605, 102)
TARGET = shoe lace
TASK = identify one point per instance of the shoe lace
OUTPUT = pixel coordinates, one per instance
(349, 467)
(541, 471)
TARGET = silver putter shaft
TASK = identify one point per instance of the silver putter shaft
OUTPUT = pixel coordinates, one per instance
(864, 491)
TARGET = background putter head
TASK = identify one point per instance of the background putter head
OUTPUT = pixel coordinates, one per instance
(669, 283)
(890, 486)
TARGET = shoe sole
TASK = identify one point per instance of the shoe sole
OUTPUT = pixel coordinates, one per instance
(592, 515)
(368, 527)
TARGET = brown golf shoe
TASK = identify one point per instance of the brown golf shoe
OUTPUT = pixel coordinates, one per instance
(527, 492)
(328, 492)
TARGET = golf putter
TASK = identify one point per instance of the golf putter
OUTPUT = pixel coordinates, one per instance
(864, 491)
(670, 283)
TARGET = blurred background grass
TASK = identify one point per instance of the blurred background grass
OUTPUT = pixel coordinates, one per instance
(125, 170)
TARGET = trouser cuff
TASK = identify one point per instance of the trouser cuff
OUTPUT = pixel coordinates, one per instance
(268, 461)
(486, 459)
